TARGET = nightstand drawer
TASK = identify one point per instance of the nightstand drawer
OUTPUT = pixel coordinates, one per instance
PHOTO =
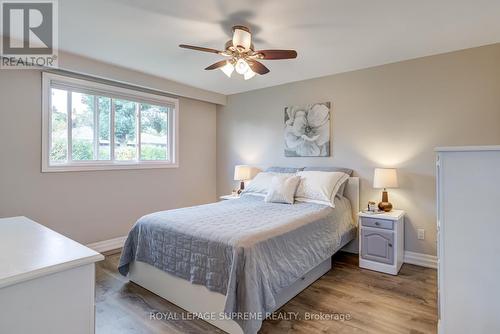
(378, 223)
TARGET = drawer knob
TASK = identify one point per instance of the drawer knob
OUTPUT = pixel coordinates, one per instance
(377, 223)
(390, 245)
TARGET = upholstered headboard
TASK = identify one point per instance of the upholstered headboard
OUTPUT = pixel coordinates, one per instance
(352, 193)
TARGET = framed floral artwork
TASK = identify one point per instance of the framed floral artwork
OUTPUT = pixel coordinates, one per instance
(307, 130)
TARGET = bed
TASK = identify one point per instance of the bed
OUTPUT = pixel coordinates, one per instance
(232, 263)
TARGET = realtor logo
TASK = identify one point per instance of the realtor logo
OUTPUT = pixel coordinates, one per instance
(29, 34)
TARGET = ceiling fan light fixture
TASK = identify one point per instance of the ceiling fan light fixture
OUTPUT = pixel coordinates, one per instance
(227, 69)
(242, 38)
(242, 66)
(249, 74)
(241, 55)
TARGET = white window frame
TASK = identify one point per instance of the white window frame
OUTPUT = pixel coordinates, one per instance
(50, 80)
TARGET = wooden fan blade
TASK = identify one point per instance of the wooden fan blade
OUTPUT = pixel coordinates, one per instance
(199, 48)
(217, 65)
(257, 67)
(277, 54)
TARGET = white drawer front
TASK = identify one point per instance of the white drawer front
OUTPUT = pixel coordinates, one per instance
(378, 223)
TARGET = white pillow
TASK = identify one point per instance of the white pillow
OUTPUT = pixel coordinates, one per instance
(261, 182)
(319, 187)
(282, 189)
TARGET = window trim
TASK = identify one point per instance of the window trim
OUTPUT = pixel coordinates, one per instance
(50, 80)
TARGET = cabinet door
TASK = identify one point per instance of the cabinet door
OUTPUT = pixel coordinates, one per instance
(377, 245)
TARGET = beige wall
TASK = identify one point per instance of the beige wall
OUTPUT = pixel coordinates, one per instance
(391, 115)
(98, 205)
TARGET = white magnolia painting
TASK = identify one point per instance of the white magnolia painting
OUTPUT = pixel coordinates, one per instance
(307, 130)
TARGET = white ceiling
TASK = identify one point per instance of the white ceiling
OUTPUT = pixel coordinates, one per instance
(330, 36)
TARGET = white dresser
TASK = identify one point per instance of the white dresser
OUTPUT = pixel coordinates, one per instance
(46, 280)
(468, 205)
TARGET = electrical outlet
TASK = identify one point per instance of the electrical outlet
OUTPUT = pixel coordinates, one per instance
(421, 234)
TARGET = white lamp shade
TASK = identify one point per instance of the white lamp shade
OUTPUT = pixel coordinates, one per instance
(227, 69)
(385, 178)
(242, 172)
(241, 66)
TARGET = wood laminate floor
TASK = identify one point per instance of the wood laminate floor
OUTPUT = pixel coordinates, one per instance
(369, 302)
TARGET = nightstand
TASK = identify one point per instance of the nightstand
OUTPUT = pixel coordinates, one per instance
(381, 241)
(229, 197)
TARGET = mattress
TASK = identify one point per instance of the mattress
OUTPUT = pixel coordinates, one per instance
(246, 249)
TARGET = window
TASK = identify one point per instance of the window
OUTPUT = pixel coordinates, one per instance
(93, 126)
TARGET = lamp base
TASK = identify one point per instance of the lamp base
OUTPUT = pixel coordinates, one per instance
(385, 205)
(242, 187)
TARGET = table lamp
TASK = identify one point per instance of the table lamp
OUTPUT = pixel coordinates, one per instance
(242, 173)
(384, 178)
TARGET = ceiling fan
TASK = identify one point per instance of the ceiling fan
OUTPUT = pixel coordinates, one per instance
(242, 56)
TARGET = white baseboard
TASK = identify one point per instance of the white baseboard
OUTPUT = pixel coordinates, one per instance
(419, 259)
(107, 245)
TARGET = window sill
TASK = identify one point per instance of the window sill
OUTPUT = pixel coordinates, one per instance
(116, 166)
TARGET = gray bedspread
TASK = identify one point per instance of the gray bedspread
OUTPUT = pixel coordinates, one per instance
(246, 249)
